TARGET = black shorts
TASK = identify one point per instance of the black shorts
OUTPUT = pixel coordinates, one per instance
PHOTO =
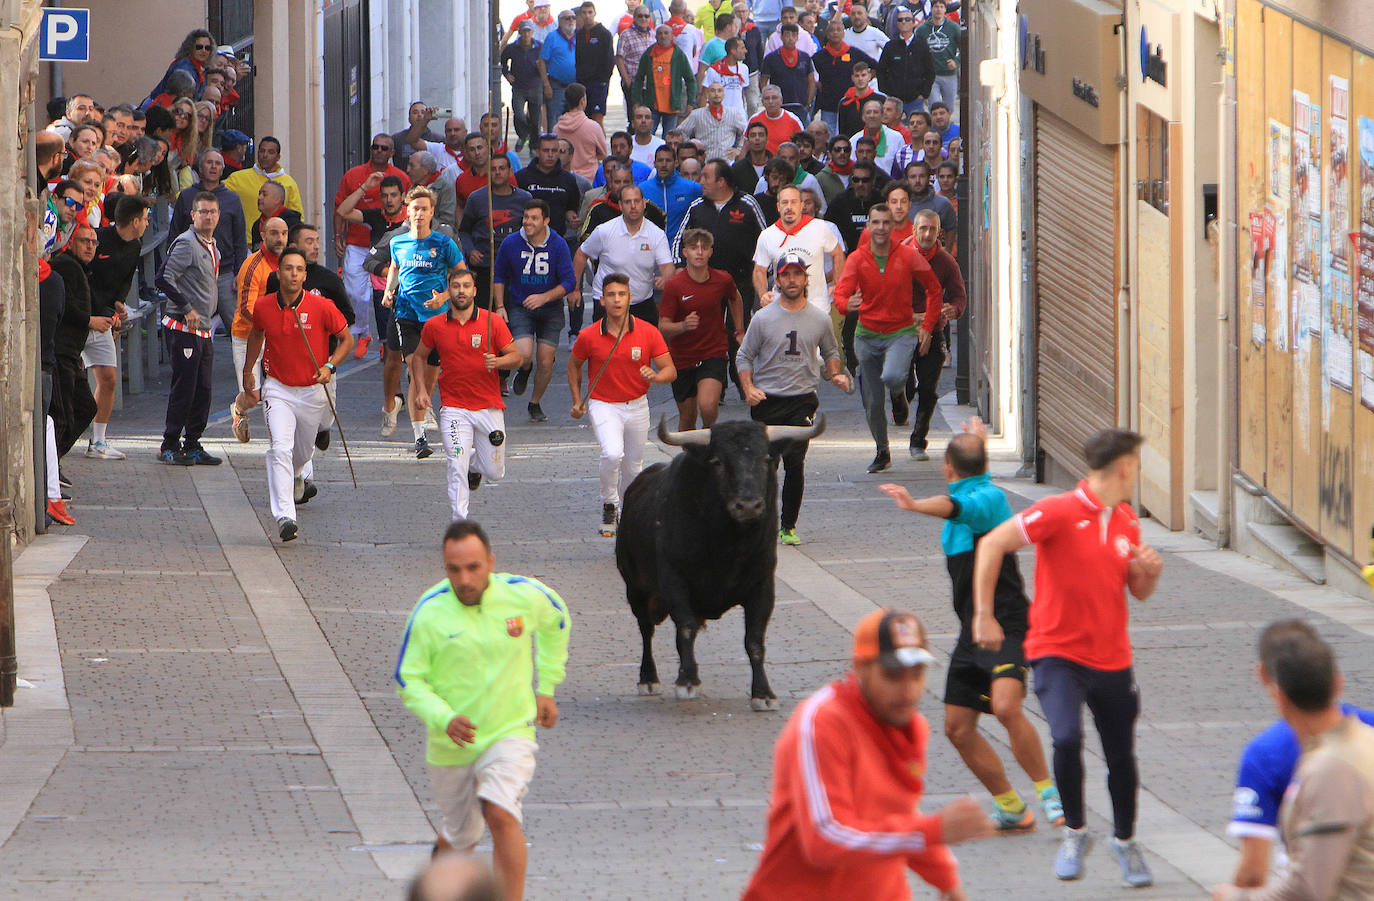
(685, 385)
(596, 96)
(408, 338)
(972, 670)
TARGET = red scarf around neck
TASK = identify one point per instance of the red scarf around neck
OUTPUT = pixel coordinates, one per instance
(716, 110)
(851, 96)
(789, 57)
(802, 223)
(844, 48)
(846, 170)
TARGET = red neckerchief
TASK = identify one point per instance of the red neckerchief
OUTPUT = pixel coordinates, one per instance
(748, 25)
(928, 254)
(677, 24)
(44, 270)
(723, 69)
(432, 179)
(842, 170)
(277, 213)
(851, 97)
(716, 109)
(844, 48)
(789, 57)
(611, 203)
(790, 232)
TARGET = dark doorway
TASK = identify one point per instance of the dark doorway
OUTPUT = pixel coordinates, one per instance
(231, 22)
(346, 107)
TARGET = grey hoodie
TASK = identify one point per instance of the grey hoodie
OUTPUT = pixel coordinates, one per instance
(188, 276)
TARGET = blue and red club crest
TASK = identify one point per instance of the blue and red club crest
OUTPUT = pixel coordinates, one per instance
(515, 627)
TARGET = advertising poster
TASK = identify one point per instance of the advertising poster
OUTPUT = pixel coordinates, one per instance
(1337, 284)
(1258, 251)
(1305, 310)
(1276, 224)
(1364, 283)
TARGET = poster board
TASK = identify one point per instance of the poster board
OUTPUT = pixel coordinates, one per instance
(1360, 485)
(1278, 351)
(1251, 373)
(1304, 307)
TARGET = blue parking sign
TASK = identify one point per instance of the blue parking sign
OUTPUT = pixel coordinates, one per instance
(65, 35)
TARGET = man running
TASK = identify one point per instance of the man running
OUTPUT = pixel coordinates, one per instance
(533, 273)
(618, 351)
(1089, 554)
(291, 329)
(799, 235)
(779, 364)
(978, 681)
(421, 262)
(472, 344)
(692, 318)
(466, 669)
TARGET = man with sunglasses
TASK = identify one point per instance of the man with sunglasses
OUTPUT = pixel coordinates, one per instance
(906, 69)
(352, 240)
(834, 177)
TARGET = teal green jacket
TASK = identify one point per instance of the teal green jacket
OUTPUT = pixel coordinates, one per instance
(943, 43)
(479, 662)
(642, 89)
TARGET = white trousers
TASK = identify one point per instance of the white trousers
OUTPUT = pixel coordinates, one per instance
(240, 349)
(332, 389)
(293, 417)
(54, 487)
(621, 430)
(467, 444)
(358, 284)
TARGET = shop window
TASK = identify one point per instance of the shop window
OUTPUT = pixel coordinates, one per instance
(1152, 160)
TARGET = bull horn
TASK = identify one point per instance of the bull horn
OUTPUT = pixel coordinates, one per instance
(797, 432)
(696, 437)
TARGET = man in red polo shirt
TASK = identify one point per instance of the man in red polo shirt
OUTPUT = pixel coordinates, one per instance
(472, 344)
(1089, 553)
(294, 377)
(352, 240)
(618, 351)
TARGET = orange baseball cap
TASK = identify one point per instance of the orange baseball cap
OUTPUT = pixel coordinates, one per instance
(893, 638)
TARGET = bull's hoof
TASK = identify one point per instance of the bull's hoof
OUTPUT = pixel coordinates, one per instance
(687, 692)
(649, 688)
(763, 705)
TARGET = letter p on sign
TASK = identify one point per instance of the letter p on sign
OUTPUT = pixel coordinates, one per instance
(65, 35)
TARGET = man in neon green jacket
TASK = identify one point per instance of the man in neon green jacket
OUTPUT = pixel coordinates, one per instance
(466, 669)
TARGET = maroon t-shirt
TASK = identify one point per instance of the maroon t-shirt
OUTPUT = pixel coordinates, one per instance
(682, 295)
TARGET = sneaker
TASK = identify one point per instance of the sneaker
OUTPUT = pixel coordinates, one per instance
(789, 537)
(63, 480)
(322, 440)
(307, 491)
(101, 450)
(240, 425)
(175, 458)
(522, 379)
(1021, 821)
(1068, 863)
(431, 424)
(360, 349)
(287, 528)
(882, 461)
(199, 456)
(607, 528)
(919, 454)
(901, 410)
(474, 481)
(422, 448)
(389, 418)
(57, 509)
(1052, 807)
(536, 413)
(1135, 872)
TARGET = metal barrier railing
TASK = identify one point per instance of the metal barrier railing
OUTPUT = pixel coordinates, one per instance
(138, 350)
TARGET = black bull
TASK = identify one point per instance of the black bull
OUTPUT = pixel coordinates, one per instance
(698, 536)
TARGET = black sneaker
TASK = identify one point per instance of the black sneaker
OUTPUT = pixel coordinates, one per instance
(607, 529)
(308, 492)
(287, 528)
(522, 379)
(199, 456)
(901, 410)
(175, 458)
(882, 461)
(422, 448)
(474, 481)
(322, 440)
(63, 480)
(536, 413)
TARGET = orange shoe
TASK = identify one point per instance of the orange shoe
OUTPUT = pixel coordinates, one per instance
(57, 509)
(360, 349)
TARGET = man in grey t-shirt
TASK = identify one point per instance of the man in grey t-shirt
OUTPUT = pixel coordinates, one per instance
(779, 365)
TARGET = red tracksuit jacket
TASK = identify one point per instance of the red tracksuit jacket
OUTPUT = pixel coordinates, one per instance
(887, 294)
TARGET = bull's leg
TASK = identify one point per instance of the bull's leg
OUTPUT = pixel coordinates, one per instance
(648, 672)
(687, 681)
(756, 617)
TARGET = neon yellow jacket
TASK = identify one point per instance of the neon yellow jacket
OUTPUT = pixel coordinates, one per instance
(477, 661)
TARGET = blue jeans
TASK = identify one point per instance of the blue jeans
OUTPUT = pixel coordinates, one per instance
(914, 106)
(667, 120)
(528, 104)
(884, 361)
(556, 104)
(832, 121)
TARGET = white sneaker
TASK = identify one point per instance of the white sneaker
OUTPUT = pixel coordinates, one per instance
(389, 418)
(103, 451)
(431, 425)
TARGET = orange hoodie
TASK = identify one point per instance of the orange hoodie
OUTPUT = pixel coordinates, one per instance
(249, 285)
(844, 823)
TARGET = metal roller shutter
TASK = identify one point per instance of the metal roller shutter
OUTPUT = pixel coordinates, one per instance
(1075, 289)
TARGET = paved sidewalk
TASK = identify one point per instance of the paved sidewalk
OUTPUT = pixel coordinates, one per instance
(232, 728)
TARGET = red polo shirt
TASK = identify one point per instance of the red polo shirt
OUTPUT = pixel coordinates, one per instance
(359, 235)
(621, 381)
(1082, 551)
(464, 380)
(284, 355)
(683, 295)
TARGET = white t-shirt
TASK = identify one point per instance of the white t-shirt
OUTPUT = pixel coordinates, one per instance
(443, 157)
(637, 256)
(808, 182)
(870, 41)
(734, 83)
(691, 42)
(644, 153)
(813, 242)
